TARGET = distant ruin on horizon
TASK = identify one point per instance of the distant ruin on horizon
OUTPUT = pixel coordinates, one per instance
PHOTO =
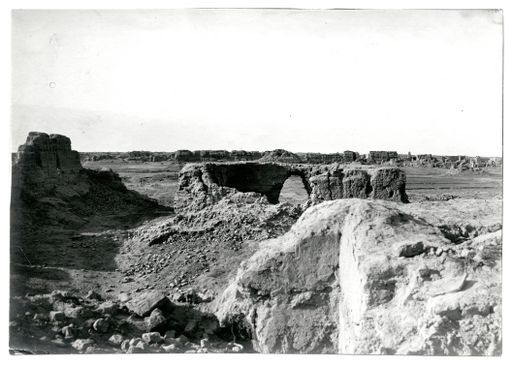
(281, 155)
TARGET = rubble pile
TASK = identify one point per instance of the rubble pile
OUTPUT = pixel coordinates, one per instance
(281, 156)
(64, 322)
(191, 244)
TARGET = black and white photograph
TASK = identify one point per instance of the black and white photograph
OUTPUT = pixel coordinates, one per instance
(256, 180)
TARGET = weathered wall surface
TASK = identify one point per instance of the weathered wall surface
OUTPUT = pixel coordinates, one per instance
(206, 184)
(370, 277)
(382, 156)
(46, 157)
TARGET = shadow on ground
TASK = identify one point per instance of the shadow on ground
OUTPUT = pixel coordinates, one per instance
(92, 247)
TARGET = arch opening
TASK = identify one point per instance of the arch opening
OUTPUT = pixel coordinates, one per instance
(294, 191)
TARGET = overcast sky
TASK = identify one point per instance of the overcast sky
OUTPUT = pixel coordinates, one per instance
(323, 81)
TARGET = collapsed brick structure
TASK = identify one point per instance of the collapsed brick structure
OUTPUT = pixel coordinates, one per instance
(46, 158)
(382, 156)
(205, 184)
(50, 186)
(349, 156)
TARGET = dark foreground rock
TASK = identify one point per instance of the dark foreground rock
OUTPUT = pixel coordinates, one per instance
(145, 303)
(359, 276)
(65, 322)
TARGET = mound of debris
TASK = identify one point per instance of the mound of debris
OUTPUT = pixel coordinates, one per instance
(281, 156)
(234, 219)
(203, 248)
(369, 277)
(63, 322)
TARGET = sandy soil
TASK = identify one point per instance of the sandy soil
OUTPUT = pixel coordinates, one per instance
(429, 182)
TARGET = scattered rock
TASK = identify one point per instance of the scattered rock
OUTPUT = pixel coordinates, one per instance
(57, 316)
(411, 249)
(68, 331)
(146, 302)
(59, 342)
(82, 344)
(205, 343)
(41, 317)
(136, 345)
(124, 297)
(125, 345)
(78, 312)
(235, 347)
(116, 339)
(101, 325)
(152, 337)
(170, 334)
(93, 295)
(447, 285)
(182, 339)
(192, 296)
(108, 308)
(171, 348)
(155, 321)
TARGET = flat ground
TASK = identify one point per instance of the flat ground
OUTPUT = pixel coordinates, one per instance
(429, 182)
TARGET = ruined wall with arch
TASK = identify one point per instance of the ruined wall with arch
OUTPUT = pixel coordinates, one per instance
(203, 184)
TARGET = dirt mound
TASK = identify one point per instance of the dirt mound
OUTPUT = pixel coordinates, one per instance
(203, 248)
(359, 276)
(281, 156)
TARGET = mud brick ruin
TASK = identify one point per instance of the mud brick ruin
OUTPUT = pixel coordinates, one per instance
(205, 184)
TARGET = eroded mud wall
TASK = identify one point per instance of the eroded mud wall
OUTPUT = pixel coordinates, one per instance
(205, 184)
